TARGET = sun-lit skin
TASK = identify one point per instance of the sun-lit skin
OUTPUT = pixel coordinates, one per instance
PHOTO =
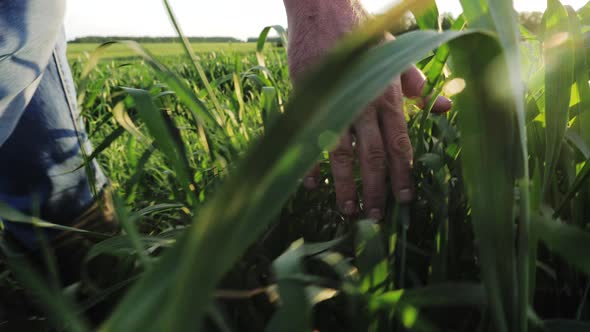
(382, 145)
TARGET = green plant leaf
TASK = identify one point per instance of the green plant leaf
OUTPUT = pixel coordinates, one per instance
(294, 314)
(487, 123)
(261, 42)
(506, 25)
(565, 326)
(428, 19)
(567, 241)
(579, 183)
(166, 140)
(559, 77)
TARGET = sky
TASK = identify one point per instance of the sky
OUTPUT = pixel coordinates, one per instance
(235, 18)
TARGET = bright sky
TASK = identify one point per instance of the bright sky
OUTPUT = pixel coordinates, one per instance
(236, 18)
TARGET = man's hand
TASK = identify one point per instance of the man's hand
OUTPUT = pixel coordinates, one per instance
(380, 134)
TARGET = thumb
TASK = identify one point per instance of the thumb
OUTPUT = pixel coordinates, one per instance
(413, 81)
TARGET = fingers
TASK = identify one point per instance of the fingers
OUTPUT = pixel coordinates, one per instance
(371, 154)
(342, 164)
(312, 179)
(413, 82)
(397, 143)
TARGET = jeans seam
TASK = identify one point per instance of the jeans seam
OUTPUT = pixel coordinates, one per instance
(90, 171)
(67, 95)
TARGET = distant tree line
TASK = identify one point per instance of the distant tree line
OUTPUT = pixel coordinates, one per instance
(104, 39)
(274, 40)
(530, 20)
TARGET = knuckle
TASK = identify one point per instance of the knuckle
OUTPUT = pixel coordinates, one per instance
(342, 157)
(392, 99)
(401, 145)
(375, 158)
(368, 116)
(345, 190)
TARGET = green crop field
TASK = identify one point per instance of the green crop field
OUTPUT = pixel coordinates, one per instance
(76, 50)
(205, 156)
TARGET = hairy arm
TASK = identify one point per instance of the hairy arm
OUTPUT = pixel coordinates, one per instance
(315, 26)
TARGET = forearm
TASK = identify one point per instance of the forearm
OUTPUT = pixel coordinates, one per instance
(321, 12)
(315, 26)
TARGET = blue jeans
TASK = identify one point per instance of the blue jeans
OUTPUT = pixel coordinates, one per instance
(42, 139)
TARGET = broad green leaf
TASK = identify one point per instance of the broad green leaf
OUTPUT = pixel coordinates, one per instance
(578, 142)
(507, 26)
(477, 14)
(487, 123)
(443, 295)
(371, 257)
(581, 88)
(559, 76)
(297, 299)
(567, 241)
(121, 246)
(584, 14)
(428, 19)
(580, 182)
(294, 313)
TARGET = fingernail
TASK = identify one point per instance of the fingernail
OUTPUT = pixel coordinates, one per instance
(310, 182)
(405, 196)
(349, 208)
(442, 105)
(376, 214)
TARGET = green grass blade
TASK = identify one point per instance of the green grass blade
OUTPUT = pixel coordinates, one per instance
(261, 42)
(194, 59)
(128, 225)
(102, 146)
(9, 213)
(165, 138)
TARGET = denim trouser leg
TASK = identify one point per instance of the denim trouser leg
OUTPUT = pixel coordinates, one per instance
(41, 156)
